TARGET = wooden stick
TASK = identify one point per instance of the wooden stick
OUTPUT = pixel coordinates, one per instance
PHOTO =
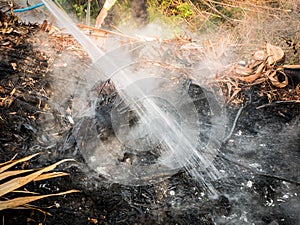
(104, 31)
(277, 103)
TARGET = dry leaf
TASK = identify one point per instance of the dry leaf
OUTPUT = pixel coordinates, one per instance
(16, 162)
(13, 92)
(50, 176)
(19, 180)
(235, 93)
(275, 81)
(251, 78)
(297, 89)
(259, 55)
(260, 80)
(240, 70)
(93, 220)
(9, 204)
(260, 68)
(7, 174)
(253, 64)
(291, 66)
(275, 54)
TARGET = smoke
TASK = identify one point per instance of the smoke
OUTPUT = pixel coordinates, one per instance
(134, 120)
(156, 126)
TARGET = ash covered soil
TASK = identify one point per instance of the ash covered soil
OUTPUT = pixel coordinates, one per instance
(259, 161)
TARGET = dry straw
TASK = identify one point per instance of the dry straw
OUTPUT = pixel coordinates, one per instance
(12, 180)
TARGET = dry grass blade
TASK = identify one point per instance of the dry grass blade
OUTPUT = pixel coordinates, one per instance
(7, 162)
(16, 202)
(14, 179)
(7, 174)
(13, 163)
(26, 192)
(18, 182)
(50, 176)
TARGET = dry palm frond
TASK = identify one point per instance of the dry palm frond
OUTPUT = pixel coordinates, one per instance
(12, 180)
(264, 69)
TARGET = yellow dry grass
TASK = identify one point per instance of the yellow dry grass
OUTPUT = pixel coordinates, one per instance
(12, 180)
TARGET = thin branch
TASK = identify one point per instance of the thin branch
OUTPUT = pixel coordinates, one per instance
(273, 104)
(234, 124)
(257, 172)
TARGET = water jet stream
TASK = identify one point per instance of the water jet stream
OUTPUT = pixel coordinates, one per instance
(176, 129)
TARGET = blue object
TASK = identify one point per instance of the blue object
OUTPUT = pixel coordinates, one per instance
(28, 8)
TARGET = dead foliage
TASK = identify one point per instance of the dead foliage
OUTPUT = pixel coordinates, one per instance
(24, 91)
(265, 70)
(183, 55)
(13, 180)
(24, 85)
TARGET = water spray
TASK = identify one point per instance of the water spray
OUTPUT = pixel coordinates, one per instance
(157, 129)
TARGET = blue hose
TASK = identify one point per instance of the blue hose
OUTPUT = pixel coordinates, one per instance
(28, 8)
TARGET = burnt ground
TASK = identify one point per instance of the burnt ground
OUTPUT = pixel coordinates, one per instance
(259, 161)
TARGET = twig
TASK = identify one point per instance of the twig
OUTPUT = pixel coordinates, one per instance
(216, 11)
(259, 173)
(234, 124)
(272, 104)
(256, 6)
(82, 26)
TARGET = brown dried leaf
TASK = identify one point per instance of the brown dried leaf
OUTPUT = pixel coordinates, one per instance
(259, 81)
(235, 93)
(7, 102)
(229, 87)
(2, 90)
(259, 55)
(13, 92)
(5, 43)
(13, 203)
(7, 174)
(209, 47)
(51, 175)
(9, 30)
(291, 66)
(15, 183)
(297, 89)
(93, 220)
(251, 78)
(13, 163)
(12, 185)
(260, 68)
(275, 54)
(275, 81)
(241, 70)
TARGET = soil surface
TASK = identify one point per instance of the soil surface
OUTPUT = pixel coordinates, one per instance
(258, 162)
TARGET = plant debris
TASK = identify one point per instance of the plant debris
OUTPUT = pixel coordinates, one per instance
(266, 72)
(12, 180)
(24, 86)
